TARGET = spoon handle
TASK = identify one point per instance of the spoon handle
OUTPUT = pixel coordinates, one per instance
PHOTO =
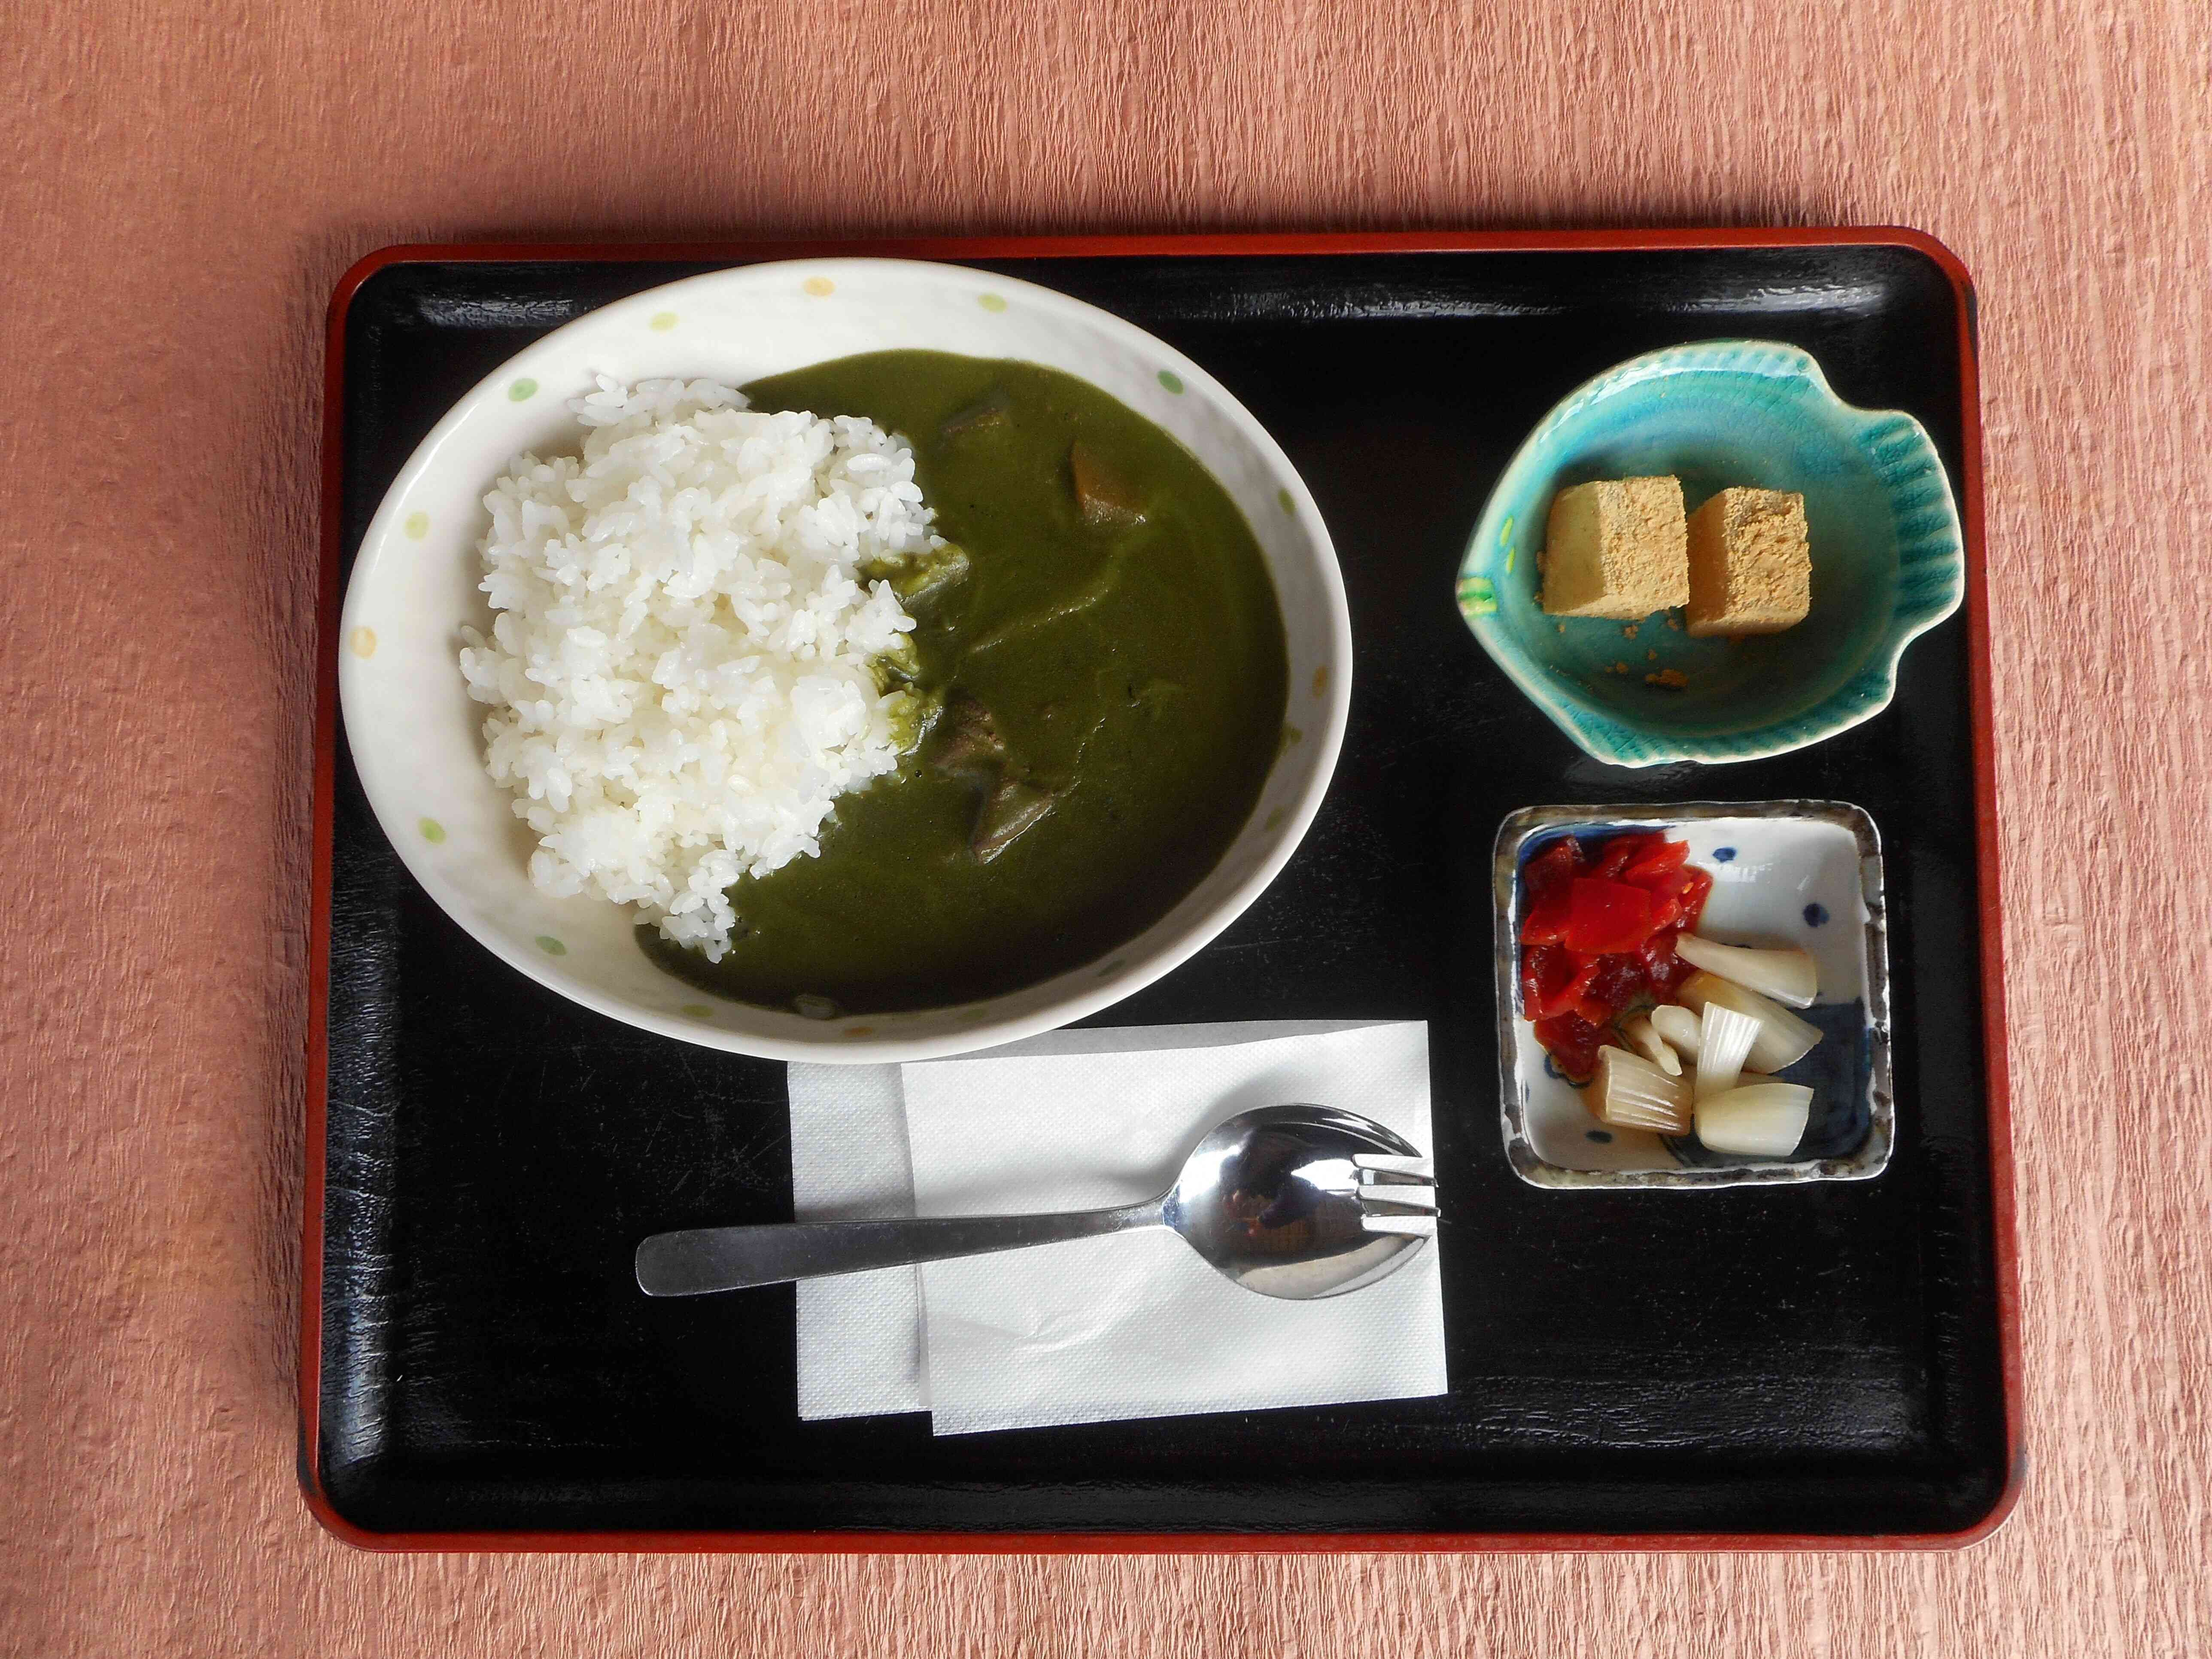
(703, 1258)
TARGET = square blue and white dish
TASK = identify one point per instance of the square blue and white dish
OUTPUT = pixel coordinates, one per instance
(1803, 873)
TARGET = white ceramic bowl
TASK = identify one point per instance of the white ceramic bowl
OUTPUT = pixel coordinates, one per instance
(415, 736)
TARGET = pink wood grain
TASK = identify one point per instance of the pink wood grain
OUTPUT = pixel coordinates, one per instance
(183, 184)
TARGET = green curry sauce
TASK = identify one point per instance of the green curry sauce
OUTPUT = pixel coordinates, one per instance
(1104, 675)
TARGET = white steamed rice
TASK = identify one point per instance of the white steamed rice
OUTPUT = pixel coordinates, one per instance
(679, 668)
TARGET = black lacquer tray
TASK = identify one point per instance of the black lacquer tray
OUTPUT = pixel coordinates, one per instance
(1816, 1366)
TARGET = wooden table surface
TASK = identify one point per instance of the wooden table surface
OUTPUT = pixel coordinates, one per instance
(184, 184)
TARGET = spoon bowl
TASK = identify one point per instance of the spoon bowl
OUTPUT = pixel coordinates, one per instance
(1274, 1199)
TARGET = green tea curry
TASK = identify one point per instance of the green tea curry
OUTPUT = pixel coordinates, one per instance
(1099, 670)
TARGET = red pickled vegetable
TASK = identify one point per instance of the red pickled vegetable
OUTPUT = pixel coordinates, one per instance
(1651, 867)
(1547, 878)
(1573, 1043)
(1551, 870)
(1553, 866)
(1618, 981)
(1678, 898)
(1616, 855)
(1598, 938)
(1663, 970)
(1544, 971)
(1554, 980)
(1694, 899)
(1605, 916)
(1546, 921)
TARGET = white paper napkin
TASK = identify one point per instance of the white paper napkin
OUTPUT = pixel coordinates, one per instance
(860, 1336)
(1135, 1325)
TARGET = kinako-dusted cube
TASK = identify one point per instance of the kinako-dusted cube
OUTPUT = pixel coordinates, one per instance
(1616, 548)
(1750, 571)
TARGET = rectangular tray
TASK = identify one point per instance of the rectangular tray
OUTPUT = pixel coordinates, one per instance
(1812, 1367)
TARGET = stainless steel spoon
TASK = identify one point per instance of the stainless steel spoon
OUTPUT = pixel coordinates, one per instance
(1296, 1201)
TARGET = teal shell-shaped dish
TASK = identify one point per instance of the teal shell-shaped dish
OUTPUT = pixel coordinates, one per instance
(1887, 560)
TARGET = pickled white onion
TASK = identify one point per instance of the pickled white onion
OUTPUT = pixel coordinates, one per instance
(1762, 1120)
(1723, 1044)
(1679, 1028)
(1634, 1094)
(1790, 977)
(1653, 1046)
(1784, 1039)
